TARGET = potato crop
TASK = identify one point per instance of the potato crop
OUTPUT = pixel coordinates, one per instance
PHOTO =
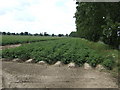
(66, 50)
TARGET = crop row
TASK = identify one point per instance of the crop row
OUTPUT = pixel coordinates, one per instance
(6, 39)
(65, 50)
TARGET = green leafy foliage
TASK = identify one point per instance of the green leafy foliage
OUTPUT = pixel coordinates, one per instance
(66, 50)
(109, 62)
(94, 59)
(98, 21)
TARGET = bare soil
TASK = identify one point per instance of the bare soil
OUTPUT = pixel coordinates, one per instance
(9, 46)
(23, 75)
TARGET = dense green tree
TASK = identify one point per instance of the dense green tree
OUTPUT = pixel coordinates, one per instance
(41, 34)
(53, 35)
(110, 32)
(36, 34)
(60, 35)
(45, 34)
(89, 18)
(25, 33)
(112, 24)
(66, 35)
(93, 19)
(73, 34)
(13, 34)
(8, 33)
(21, 33)
(3, 33)
(17, 33)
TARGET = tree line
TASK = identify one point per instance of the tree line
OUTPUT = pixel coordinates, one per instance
(36, 34)
(98, 21)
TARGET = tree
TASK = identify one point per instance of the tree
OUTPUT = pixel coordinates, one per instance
(94, 19)
(12, 33)
(36, 34)
(66, 35)
(17, 33)
(73, 34)
(53, 35)
(89, 18)
(21, 33)
(110, 33)
(41, 34)
(25, 33)
(3, 33)
(8, 33)
(45, 34)
(60, 35)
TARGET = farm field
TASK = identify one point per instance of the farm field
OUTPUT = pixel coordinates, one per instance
(62, 44)
(17, 39)
(66, 50)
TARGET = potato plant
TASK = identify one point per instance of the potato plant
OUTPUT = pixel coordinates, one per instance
(66, 50)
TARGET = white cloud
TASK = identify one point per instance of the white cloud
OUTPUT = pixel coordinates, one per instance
(8, 3)
(35, 16)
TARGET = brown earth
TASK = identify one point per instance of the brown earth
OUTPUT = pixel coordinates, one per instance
(9, 46)
(23, 75)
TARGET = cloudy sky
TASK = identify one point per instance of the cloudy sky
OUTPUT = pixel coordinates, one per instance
(35, 16)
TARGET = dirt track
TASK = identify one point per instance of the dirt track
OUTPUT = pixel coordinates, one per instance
(23, 75)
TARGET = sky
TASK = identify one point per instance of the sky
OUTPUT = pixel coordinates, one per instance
(35, 16)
